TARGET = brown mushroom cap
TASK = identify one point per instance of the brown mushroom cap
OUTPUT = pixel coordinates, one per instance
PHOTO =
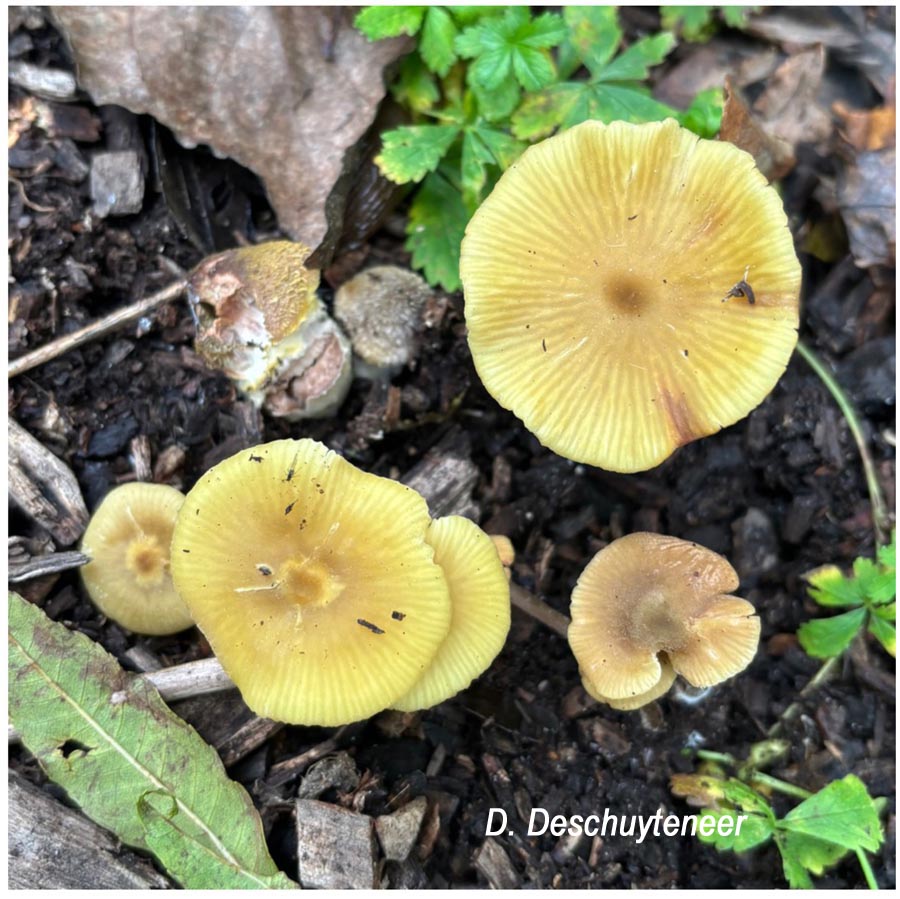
(128, 577)
(600, 280)
(313, 581)
(647, 607)
(479, 596)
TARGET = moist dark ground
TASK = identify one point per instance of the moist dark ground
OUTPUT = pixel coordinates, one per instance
(778, 493)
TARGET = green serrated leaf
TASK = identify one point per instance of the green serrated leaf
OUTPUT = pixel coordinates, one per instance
(107, 739)
(468, 15)
(437, 223)
(613, 102)
(887, 555)
(410, 152)
(593, 38)
(694, 23)
(436, 40)
(415, 86)
(885, 633)
(634, 64)
(379, 22)
(190, 862)
(473, 172)
(886, 612)
(827, 637)
(504, 149)
(828, 587)
(794, 873)
(736, 16)
(514, 46)
(704, 115)
(813, 854)
(754, 831)
(496, 105)
(874, 584)
(749, 800)
(841, 813)
(544, 111)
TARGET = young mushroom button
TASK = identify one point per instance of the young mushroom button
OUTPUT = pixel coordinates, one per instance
(648, 607)
(128, 577)
(313, 581)
(628, 289)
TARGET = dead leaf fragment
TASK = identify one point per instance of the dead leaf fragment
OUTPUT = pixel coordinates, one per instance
(774, 156)
(867, 197)
(286, 91)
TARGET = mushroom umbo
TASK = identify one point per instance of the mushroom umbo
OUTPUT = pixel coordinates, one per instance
(648, 607)
(628, 289)
(260, 321)
(479, 598)
(129, 577)
(313, 581)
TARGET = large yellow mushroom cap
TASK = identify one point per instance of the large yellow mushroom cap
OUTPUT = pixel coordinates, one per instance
(648, 607)
(602, 277)
(128, 577)
(479, 595)
(312, 580)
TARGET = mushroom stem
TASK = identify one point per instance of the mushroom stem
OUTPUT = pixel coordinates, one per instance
(96, 329)
(880, 515)
(531, 605)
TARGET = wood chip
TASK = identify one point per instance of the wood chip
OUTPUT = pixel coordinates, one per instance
(494, 865)
(398, 832)
(53, 847)
(335, 847)
(44, 488)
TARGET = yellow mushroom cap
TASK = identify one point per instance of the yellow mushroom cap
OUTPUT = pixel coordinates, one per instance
(479, 596)
(597, 280)
(312, 580)
(129, 577)
(647, 607)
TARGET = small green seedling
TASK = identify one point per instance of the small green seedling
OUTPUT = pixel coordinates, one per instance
(869, 594)
(698, 23)
(814, 835)
(484, 82)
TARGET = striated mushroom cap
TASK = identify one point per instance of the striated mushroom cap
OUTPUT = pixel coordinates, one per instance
(602, 286)
(313, 581)
(648, 607)
(129, 577)
(479, 596)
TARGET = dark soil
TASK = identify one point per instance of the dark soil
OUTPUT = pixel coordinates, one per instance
(778, 493)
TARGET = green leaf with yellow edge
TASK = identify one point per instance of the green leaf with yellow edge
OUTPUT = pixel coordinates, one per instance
(189, 861)
(475, 159)
(379, 22)
(828, 587)
(593, 38)
(827, 637)
(437, 224)
(842, 813)
(107, 739)
(876, 584)
(415, 86)
(410, 152)
(885, 633)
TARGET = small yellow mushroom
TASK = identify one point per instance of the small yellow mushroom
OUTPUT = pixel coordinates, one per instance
(628, 289)
(648, 607)
(479, 596)
(129, 577)
(314, 582)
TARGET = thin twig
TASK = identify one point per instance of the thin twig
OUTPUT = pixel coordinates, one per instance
(96, 329)
(540, 611)
(880, 514)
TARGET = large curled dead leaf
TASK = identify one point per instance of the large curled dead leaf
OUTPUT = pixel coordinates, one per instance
(286, 91)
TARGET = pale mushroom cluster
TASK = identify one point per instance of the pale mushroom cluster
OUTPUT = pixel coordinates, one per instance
(329, 594)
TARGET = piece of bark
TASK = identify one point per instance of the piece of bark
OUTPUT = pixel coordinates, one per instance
(446, 477)
(398, 832)
(44, 488)
(53, 847)
(335, 847)
(286, 91)
(494, 865)
(226, 723)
